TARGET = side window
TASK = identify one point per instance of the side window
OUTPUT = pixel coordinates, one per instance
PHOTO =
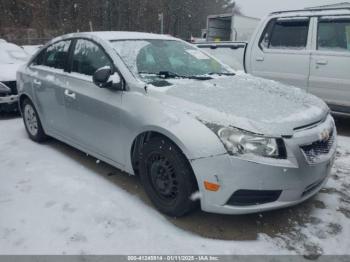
(266, 36)
(334, 35)
(55, 56)
(286, 33)
(88, 57)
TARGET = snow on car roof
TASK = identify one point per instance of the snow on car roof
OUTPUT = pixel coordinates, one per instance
(129, 35)
(118, 35)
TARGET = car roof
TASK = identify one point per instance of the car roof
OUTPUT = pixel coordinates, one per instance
(119, 35)
(313, 12)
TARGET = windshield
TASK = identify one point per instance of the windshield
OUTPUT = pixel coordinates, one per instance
(11, 54)
(150, 59)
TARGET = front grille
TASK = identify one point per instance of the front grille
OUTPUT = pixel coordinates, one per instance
(13, 86)
(315, 151)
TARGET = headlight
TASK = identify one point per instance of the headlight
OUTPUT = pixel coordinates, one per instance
(4, 89)
(239, 142)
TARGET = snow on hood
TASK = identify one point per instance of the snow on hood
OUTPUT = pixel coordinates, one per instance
(8, 71)
(243, 101)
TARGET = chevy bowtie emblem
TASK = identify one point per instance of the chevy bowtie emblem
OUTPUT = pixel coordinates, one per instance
(325, 135)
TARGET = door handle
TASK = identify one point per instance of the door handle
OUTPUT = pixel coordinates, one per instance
(322, 62)
(260, 59)
(37, 82)
(70, 94)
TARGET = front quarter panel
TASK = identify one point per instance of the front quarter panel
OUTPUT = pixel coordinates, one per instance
(143, 113)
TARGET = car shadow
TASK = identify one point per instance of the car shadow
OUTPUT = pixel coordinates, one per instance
(213, 226)
(9, 116)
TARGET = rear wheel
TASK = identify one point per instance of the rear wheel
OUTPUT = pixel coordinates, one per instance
(167, 177)
(32, 122)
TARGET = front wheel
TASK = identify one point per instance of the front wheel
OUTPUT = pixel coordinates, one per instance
(167, 177)
(32, 122)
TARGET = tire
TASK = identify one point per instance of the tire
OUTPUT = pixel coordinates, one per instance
(32, 122)
(167, 177)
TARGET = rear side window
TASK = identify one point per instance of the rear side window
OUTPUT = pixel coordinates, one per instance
(55, 56)
(88, 57)
(291, 33)
(334, 35)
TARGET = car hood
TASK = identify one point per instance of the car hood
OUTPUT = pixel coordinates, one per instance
(8, 71)
(257, 105)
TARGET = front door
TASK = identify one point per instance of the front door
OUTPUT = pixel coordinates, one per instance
(282, 53)
(92, 112)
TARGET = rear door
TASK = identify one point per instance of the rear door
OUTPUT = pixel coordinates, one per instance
(330, 62)
(46, 71)
(282, 53)
(93, 113)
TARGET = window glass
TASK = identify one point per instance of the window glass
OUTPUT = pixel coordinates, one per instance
(148, 58)
(334, 35)
(88, 57)
(229, 55)
(266, 36)
(286, 34)
(55, 56)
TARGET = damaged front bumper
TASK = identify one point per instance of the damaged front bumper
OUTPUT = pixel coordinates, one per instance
(10, 99)
(9, 103)
(251, 186)
(8, 96)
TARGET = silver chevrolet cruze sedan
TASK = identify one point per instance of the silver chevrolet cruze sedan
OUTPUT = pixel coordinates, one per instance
(193, 129)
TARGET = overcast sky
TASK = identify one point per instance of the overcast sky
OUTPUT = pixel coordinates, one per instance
(260, 8)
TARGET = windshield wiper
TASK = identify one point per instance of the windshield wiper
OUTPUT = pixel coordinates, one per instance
(221, 74)
(169, 74)
(208, 76)
(162, 74)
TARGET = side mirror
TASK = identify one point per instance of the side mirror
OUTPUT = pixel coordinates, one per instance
(104, 78)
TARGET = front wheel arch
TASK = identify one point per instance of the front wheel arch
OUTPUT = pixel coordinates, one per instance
(143, 148)
(141, 139)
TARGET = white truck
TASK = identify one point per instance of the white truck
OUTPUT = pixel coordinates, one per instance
(230, 27)
(309, 49)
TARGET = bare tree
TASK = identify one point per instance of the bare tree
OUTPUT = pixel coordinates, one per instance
(48, 18)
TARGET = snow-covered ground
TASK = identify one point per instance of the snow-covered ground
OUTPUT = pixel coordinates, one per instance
(56, 200)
